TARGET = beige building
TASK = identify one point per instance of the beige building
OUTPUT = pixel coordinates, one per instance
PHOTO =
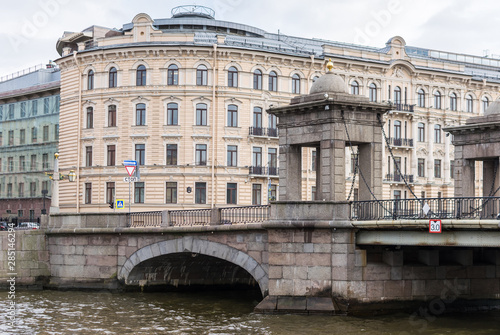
(186, 97)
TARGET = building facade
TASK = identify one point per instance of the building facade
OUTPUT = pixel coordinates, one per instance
(186, 97)
(29, 134)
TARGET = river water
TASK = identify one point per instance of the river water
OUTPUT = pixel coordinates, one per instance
(55, 312)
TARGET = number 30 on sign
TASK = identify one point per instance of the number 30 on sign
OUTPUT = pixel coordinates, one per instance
(435, 226)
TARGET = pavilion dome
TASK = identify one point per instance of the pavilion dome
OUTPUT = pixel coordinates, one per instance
(328, 83)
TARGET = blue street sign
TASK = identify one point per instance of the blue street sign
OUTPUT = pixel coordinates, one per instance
(130, 163)
(120, 204)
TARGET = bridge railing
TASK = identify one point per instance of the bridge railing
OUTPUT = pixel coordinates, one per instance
(242, 215)
(145, 219)
(438, 208)
(193, 217)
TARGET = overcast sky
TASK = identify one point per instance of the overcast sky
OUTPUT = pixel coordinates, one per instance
(29, 29)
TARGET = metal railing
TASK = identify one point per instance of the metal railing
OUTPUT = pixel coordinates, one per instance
(145, 219)
(263, 171)
(404, 107)
(439, 208)
(399, 178)
(258, 131)
(192, 217)
(401, 142)
(247, 214)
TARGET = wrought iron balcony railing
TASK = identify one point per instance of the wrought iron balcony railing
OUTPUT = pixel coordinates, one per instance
(399, 178)
(264, 171)
(257, 131)
(404, 107)
(401, 142)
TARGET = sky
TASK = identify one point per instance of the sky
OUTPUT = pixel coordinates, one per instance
(29, 30)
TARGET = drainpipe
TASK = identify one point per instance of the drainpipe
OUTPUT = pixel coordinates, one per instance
(79, 133)
(214, 108)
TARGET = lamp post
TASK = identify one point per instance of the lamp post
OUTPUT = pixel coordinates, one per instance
(56, 176)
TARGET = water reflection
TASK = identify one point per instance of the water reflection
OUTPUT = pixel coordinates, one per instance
(53, 312)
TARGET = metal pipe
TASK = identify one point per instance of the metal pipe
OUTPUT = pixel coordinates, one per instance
(79, 132)
(214, 108)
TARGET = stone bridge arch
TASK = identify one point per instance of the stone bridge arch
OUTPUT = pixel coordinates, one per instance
(197, 246)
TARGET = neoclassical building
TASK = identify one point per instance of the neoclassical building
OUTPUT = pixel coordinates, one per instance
(186, 97)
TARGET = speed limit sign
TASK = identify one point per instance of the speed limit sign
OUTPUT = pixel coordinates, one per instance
(435, 226)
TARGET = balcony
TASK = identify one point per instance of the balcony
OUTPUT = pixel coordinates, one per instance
(401, 142)
(269, 132)
(263, 171)
(403, 107)
(398, 178)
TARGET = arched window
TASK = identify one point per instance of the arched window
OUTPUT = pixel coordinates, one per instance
(202, 76)
(201, 114)
(453, 101)
(437, 100)
(90, 80)
(296, 84)
(421, 98)
(273, 81)
(113, 77)
(485, 103)
(90, 117)
(257, 80)
(141, 76)
(112, 116)
(355, 87)
(232, 116)
(437, 133)
(140, 115)
(173, 75)
(232, 77)
(397, 95)
(470, 103)
(373, 92)
(172, 114)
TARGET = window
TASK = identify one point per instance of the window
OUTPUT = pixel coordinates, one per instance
(354, 162)
(140, 115)
(139, 192)
(171, 193)
(453, 101)
(232, 116)
(45, 133)
(314, 160)
(452, 169)
(437, 134)
(273, 81)
(437, 100)
(421, 167)
(231, 193)
(273, 192)
(45, 185)
(397, 195)
(257, 80)
(22, 163)
(56, 132)
(171, 154)
(57, 103)
(485, 103)
(33, 166)
(437, 168)
(201, 154)
(173, 75)
(141, 76)
(140, 154)
(11, 137)
(201, 114)
(421, 98)
(313, 192)
(46, 108)
(1, 113)
(90, 117)
(201, 76)
(397, 95)
(232, 155)
(172, 114)
(9, 190)
(200, 193)
(23, 109)
(295, 84)
(90, 80)
(10, 164)
(232, 77)
(397, 130)
(1, 138)
(22, 136)
(111, 155)
(256, 194)
(257, 117)
(372, 92)
(34, 134)
(34, 107)
(421, 132)
(113, 76)
(20, 190)
(112, 116)
(45, 161)
(110, 192)
(273, 121)
(11, 111)
(397, 166)
(88, 193)
(355, 87)
(257, 156)
(272, 161)
(470, 104)
(88, 156)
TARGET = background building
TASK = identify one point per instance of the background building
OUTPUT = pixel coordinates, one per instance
(29, 134)
(187, 97)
